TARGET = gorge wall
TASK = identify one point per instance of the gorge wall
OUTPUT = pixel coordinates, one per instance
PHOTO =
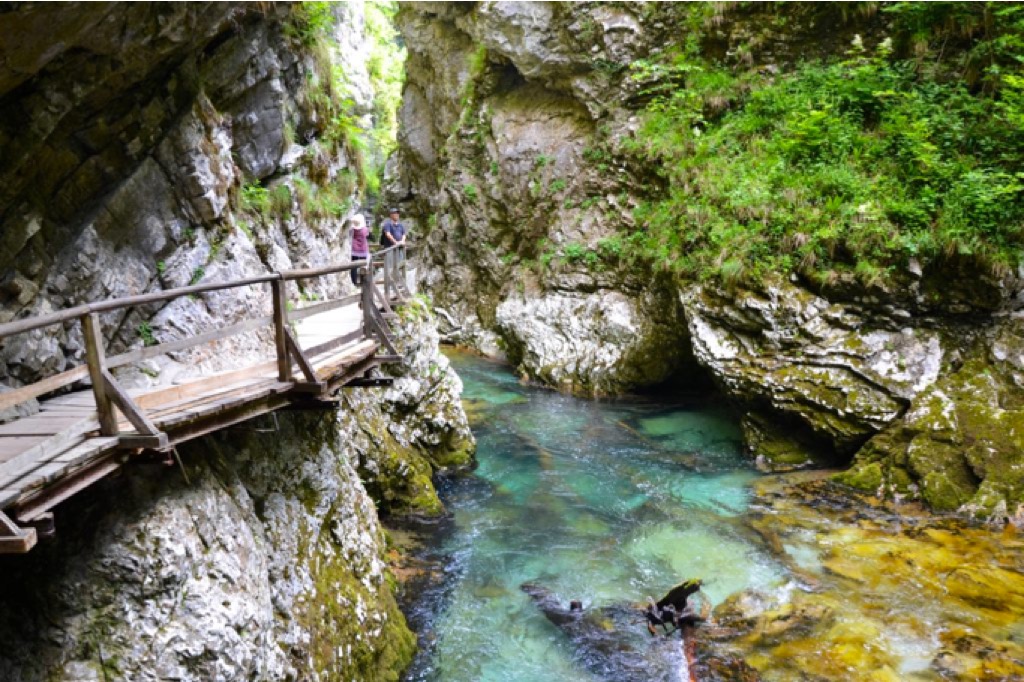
(150, 146)
(566, 213)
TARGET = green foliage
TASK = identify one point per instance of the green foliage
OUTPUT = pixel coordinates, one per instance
(578, 253)
(309, 22)
(161, 267)
(386, 66)
(470, 192)
(145, 332)
(557, 185)
(281, 201)
(328, 87)
(197, 275)
(256, 198)
(332, 200)
(856, 164)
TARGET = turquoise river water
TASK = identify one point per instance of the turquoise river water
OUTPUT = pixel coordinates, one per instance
(606, 502)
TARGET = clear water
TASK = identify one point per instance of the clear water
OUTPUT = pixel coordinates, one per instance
(606, 502)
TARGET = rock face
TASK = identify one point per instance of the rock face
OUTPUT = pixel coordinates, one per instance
(498, 112)
(265, 564)
(510, 125)
(142, 148)
(840, 369)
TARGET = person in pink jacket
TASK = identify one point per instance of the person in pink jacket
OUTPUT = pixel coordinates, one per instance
(360, 244)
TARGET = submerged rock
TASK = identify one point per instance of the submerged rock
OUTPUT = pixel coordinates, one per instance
(605, 640)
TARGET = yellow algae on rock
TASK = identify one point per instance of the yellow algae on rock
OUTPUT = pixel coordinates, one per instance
(890, 596)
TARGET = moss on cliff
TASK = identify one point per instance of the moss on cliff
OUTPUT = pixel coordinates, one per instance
(959, 444)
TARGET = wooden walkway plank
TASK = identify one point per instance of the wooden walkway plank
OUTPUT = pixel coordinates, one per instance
(40, 425)
(50, 446)
(49, 471)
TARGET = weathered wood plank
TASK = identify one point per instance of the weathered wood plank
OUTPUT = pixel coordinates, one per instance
(42, 387)
(332, 344)
(45, 449)
(199, 386)
(15, 445)
(97, 365)
(39, 425)
(326, 306)
(127, 406)
(140, 354)
(334, 365)
(204, 411)
(76, 399)
(228, 391)
(44, 500)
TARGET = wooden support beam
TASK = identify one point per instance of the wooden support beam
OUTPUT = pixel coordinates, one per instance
(48, 498)
(129, 441)
(284, 365)
(310, 388)
(13, 538)
(296, 352)
(370, 382)
(96, 360)
(385, 303)
(124, 402)
(380, 326)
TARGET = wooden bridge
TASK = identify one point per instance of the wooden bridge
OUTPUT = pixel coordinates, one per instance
(78, 437)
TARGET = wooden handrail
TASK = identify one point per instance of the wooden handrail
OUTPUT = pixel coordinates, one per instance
(88, 312)
(33, 323)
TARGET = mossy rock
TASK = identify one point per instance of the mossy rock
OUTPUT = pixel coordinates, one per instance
(867, 477)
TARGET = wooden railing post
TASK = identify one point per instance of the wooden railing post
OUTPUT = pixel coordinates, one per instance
(284, 365)
(405, 270)
(366, 302)
(97, 361)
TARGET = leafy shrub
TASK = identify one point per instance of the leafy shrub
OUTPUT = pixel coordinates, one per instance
(857, 164)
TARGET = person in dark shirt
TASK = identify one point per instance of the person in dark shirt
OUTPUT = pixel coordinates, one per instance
(360, 244)
(392, 231)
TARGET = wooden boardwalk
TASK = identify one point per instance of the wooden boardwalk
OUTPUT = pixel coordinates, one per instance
(80, 436)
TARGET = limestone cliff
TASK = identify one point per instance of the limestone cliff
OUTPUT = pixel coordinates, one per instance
(517, 123)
